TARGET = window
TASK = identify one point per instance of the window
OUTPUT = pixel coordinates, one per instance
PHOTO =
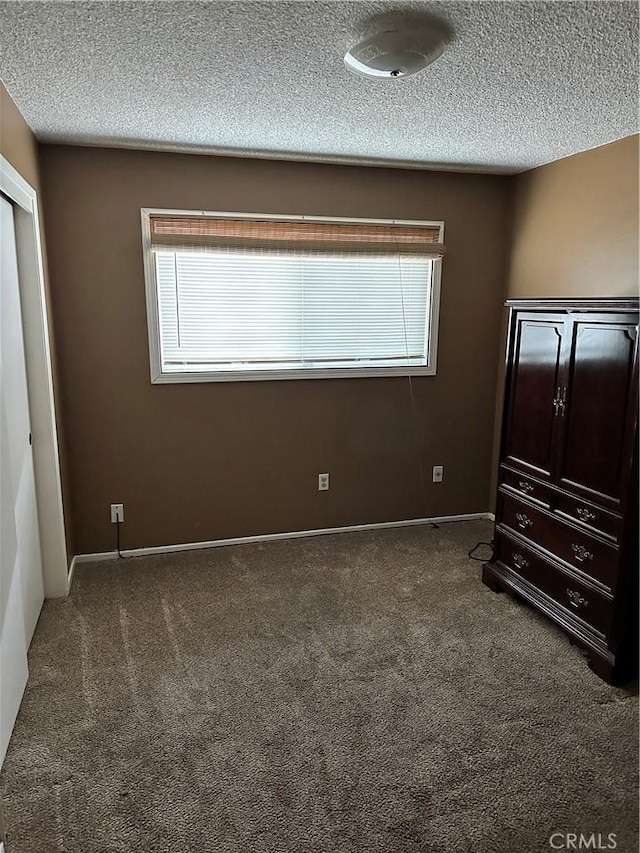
(232, 297)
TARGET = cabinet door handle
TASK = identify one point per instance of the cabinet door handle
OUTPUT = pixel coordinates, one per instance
(575, 599)
(523, 520)
(563, 399)
(585, 514)
(560, 400)
(525, 487)
(520, 561)
(581, 554)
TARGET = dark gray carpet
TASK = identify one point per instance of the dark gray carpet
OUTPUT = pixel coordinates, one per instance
(360, 693)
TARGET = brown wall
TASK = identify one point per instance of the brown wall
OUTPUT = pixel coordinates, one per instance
(17, 142)
(574, 232)
(575, 225)
(209, 461)
(20, 147)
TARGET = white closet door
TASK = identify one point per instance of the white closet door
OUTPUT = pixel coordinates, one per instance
(21, 582)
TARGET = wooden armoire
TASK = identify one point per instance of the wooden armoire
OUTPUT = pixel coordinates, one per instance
(566, 531)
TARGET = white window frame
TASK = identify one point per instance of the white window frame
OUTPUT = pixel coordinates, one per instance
(153, 318)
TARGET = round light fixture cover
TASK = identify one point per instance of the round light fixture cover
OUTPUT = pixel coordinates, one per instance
(392, 54)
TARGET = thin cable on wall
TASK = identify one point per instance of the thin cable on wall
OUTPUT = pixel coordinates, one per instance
(416, 435)
(414, 420)
(120, 554)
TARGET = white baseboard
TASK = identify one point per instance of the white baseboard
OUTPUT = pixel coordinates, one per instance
(98, 557)
(70, 574)
(270, 537)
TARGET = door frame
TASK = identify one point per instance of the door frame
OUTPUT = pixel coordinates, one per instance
(37, 344)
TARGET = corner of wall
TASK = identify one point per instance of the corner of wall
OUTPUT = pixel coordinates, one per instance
(502, 341)
(20, 147)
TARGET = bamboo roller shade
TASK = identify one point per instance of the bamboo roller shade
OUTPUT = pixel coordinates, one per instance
(173, 233)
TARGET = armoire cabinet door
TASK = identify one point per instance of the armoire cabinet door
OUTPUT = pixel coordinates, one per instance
(597, 421)
(533, 393)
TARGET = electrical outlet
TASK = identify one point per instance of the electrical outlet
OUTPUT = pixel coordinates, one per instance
(438, 473)
(117, 513)
(323, 482)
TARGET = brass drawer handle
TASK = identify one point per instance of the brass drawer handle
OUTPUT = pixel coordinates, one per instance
(581, 554)
(520, 561)
(575, 599)
(523, 520)
(585, 514)
(525, 487)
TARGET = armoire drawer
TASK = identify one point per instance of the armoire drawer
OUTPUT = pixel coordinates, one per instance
(527, 487)
(576, 598)
(606, 523)
(579, 550)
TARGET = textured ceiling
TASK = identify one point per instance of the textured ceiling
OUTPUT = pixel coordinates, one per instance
(519, 84)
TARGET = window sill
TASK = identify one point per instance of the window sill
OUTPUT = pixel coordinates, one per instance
(307, 373)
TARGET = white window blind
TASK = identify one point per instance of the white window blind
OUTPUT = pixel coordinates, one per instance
(256, 300)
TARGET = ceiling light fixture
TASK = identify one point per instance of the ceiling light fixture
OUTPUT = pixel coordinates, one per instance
(392, 53)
